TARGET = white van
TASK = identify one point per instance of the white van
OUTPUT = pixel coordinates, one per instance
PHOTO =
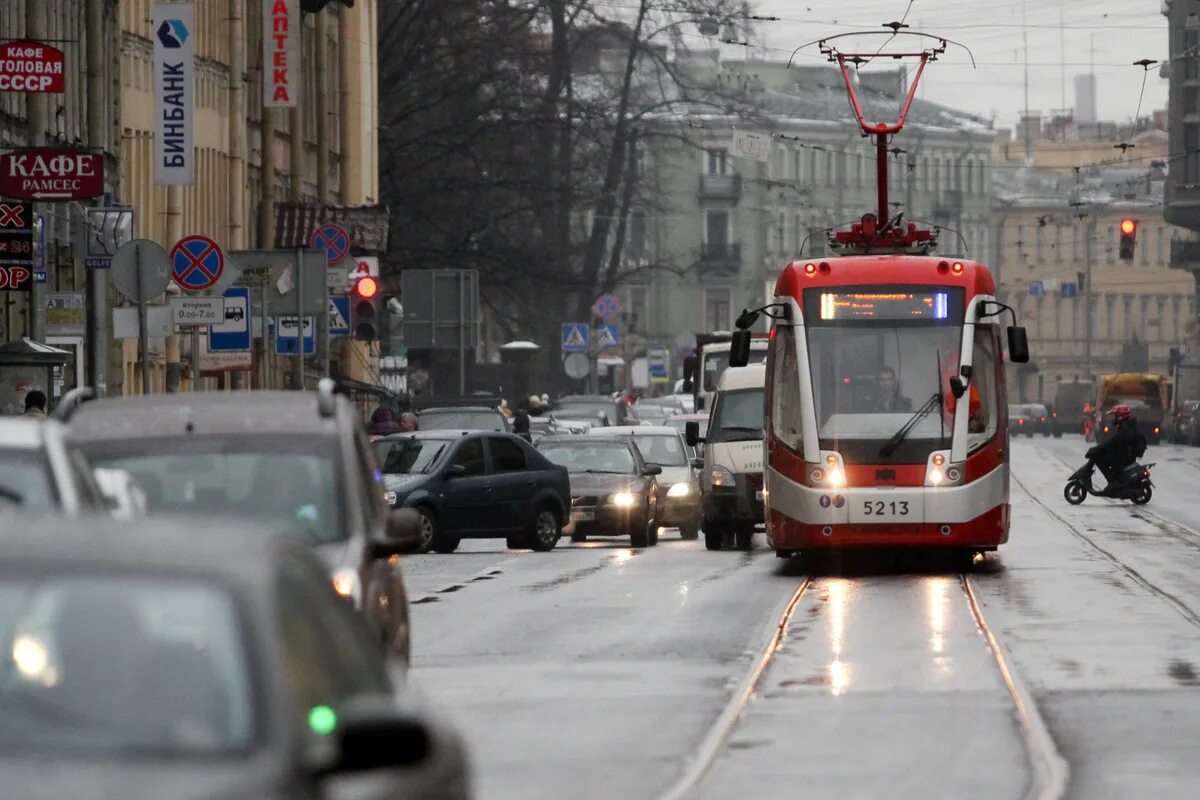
(731, 485)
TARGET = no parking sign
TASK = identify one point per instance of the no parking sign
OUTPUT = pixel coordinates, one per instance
(197, 263)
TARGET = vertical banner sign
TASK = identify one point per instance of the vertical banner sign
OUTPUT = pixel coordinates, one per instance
(174, 55)
(281, 53)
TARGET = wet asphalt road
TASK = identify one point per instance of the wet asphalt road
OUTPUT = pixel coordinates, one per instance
(600, 671)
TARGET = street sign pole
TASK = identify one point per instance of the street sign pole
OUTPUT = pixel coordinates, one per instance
(298, 378)
(462, 339)
(143, 337)
(196, 387)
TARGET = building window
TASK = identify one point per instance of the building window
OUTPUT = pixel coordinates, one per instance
(638, 310)
(1022, 249)
(1191, 143)
(717, 303)
(637, 235)
(717, 162)
(716, 230)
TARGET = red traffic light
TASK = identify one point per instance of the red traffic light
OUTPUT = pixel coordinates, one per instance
(367, 287)
(1128, 226)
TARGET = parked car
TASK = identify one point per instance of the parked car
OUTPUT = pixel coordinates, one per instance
(41, 472)
(125, 498)
(475, 486)
(655, 410)
(598, 409)
(679, 505)
(465, 418)
(614, 492)
(1185, 423)
(1029, 419)
(186, 659)
(298, 461)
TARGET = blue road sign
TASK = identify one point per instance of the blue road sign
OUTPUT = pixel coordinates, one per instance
(607, 307)
(285, 336)
(339, 316)
(232, 335)
(575, 337)
(196, 263)
(657, 358)
(39, 276)
(608, 337)
(333, 239)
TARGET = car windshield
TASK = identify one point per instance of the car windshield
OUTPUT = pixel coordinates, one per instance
(290, 480)
(591, 457)
(664, 449)
(737, 417)
(455, 420)
(410, 456)
(652, 412)
(25, 482)
(122, 664)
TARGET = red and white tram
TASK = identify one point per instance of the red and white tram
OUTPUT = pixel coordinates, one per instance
(886, 421)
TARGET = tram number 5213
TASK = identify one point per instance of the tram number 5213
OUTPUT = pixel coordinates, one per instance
(879, 508)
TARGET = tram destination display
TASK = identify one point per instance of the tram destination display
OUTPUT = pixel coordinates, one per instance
(884, 304)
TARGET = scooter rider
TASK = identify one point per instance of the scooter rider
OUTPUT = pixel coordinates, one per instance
(1124, 447)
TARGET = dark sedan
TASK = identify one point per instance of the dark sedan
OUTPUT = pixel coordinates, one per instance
(475, 486)
(298, 460)
(190, 660)
(613, 490)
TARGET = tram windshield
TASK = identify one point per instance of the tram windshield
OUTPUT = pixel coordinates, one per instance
(878, 355)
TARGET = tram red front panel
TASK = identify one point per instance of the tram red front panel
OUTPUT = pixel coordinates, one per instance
(987, 530)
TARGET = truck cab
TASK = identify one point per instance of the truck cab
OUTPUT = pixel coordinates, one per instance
(731, 484)
(703, 371)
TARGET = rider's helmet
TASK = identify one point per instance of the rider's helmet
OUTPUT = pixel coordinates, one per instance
(1121, 413)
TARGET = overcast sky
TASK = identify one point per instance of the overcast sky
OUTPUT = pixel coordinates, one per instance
(1122, 31)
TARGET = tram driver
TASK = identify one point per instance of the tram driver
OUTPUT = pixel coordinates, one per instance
(887, 396)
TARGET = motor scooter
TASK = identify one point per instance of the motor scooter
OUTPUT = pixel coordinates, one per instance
(1134, 484)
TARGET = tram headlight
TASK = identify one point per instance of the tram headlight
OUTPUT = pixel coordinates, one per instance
(936, 476)
(837, 478)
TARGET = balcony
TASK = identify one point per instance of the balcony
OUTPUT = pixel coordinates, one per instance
(720, 257)
(721, 187)
(1185, 254)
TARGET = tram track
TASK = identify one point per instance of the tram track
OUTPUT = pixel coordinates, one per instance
(1048, 769)
(1180, 607)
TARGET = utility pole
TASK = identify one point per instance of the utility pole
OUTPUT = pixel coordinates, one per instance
(1025, 49)
(1089, 233)
(96, 281)
(37, 116)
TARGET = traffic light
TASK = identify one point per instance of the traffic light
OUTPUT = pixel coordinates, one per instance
(1128, 239)
(364, 309)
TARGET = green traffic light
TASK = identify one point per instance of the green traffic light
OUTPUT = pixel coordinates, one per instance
(322, 720)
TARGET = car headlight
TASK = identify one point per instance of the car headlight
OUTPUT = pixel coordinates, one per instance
(623, 499)
(389, 498)
(348, 585)
(679, 490)
(720, 476)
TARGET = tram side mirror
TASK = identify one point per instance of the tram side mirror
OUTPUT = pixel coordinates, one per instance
(958, 387)
(746, 319)
(689, 373)
(691, 433)
(739, 349)
(1018, 344)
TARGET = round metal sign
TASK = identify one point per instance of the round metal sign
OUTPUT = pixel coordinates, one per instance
(577, 365)
(607, 307)
(145, 257)
(333, 239)
(196, 263)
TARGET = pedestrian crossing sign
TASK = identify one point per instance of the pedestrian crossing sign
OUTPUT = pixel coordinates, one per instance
(575, 337)
(607, 337)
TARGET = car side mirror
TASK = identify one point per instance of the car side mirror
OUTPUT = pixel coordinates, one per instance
(651, 470)
(372, 735)
(697, 463)
(456, 471)
(402, 533)
(691, 433)
(739, 349)
(1018, 344)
